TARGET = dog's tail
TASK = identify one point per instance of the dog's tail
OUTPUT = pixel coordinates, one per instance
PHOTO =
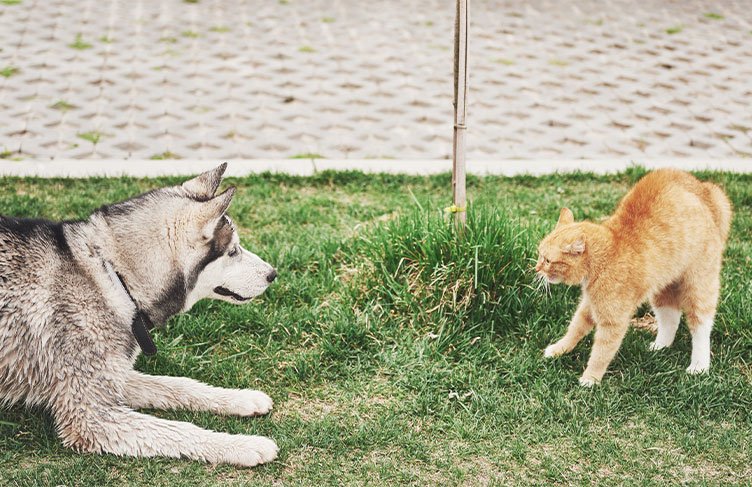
(720, 206)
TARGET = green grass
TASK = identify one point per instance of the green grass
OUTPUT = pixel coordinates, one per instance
(9, 71)
(80, 44)
(398, 352)
(675, 29)
(63, 106)
(307, 155)
(94, 136)
(164, 155)
(713, 16)
(10, 2)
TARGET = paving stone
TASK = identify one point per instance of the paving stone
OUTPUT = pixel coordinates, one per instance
(231, 79)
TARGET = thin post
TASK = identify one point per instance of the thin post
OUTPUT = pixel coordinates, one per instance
(460, 109)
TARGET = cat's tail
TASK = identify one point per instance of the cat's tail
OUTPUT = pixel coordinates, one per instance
(720, 206)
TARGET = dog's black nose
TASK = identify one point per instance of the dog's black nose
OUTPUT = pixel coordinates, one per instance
(271, 276)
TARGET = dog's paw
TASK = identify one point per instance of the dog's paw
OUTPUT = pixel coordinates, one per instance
(554, 350)
(588, 381)
(248, 402)
(249, 451)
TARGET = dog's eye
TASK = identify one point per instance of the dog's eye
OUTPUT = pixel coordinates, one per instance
(233, 252)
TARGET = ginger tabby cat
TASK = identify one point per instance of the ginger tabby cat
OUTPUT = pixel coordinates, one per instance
(664, 243)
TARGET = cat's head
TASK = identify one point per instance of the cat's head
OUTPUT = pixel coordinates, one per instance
(562, 253)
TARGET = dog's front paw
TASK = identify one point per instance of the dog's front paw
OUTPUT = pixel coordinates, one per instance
(248, 402)
(249, 451)
(554, 350)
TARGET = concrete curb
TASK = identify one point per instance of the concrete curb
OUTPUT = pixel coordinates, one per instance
(308, 167)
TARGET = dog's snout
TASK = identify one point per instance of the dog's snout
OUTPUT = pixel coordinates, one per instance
(271, 276)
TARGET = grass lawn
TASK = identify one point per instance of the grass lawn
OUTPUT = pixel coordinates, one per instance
(397, 353)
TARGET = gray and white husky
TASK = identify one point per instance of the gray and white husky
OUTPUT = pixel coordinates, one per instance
(77, 300)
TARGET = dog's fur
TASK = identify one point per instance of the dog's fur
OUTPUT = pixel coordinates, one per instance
(65, 320)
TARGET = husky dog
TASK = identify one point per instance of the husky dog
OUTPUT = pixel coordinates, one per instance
(77, 300)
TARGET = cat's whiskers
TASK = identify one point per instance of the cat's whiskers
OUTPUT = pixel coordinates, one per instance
(542, 284)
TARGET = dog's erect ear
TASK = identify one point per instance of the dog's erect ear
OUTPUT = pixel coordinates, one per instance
(205, 184)
(565, 217)
(212, 210)
(218, 205)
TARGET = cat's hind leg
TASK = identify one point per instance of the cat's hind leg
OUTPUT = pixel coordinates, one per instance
(699, 301)
(666, 306)
(700, 330)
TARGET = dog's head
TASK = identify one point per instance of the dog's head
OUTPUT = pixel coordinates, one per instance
(225, 270)
(177, 245)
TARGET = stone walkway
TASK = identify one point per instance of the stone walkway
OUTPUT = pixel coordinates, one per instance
(344, 79)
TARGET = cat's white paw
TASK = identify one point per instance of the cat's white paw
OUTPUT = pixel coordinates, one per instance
(588, 381)
(554, 350)
(249, 451)
(655, 346)
(248, 402)
(698, 367)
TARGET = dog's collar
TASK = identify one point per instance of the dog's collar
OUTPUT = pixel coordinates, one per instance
(141, 323)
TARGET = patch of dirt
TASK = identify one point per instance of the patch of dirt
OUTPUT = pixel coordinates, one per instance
(647, 323)
(481, 471)
(326, 401)
(379, 219)
(300, 458)
(746, 371)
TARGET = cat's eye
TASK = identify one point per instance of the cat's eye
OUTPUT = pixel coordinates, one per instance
(546, 261)
(233, 252)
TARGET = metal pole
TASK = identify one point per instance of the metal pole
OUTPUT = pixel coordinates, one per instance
(460, 105)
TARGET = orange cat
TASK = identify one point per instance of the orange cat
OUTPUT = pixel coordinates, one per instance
(664, 243)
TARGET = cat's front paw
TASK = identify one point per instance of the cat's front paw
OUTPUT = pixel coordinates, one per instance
(655, 346)
(660, 343)
(698, 367)
(588, 381)
(554, 350)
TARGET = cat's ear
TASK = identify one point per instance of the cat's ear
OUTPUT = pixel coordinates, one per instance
(565, 217)
(575, 248)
